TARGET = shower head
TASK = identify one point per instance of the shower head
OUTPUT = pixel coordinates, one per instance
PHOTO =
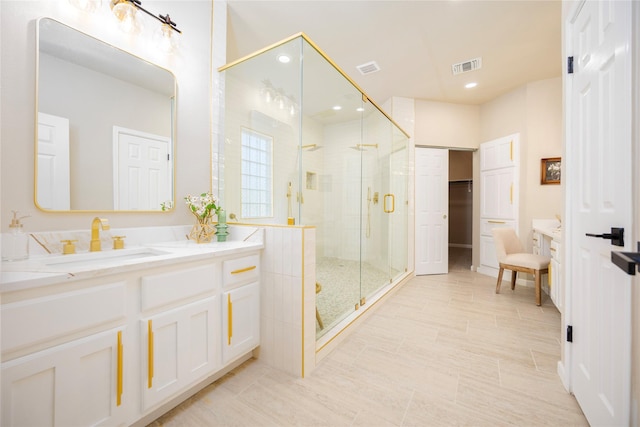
(311, 147)
(363, 147)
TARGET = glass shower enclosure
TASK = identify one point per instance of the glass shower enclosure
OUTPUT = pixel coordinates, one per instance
(304, 145)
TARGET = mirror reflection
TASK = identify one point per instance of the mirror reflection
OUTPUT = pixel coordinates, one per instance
(105, 126)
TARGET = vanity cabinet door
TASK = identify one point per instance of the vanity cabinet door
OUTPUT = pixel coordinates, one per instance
(555, 276)
(179, 347)
(240, 321)
(75, 384)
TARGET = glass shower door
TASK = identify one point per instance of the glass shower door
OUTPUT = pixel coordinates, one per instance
(398, 219)
(375, 148)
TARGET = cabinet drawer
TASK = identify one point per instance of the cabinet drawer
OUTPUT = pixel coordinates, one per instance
(241, 270)
(50, 318)
(486, 225)
(169, 288)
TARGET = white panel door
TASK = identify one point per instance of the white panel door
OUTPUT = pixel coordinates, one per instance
(432, 211)
(142, 170)
(599, 152)
(54, 187)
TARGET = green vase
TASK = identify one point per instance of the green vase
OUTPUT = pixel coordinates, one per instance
(221, 226)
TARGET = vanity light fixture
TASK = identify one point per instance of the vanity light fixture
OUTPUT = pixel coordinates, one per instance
(125, 11)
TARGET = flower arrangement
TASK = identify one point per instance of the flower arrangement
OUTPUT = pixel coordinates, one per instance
(203, 207)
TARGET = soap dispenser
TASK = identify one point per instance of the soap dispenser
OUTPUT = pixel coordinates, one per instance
(15, 243)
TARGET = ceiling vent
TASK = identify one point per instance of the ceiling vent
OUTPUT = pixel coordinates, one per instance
(466, 66)
(368, 68)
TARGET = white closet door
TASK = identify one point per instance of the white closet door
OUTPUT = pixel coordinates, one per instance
(432, 211)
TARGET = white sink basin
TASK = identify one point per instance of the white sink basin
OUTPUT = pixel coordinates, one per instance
(103, 258)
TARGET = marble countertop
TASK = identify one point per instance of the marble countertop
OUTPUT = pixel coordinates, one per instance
(45, 270)
(549, 227)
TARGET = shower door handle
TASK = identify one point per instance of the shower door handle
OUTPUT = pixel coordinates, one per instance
(393, 203)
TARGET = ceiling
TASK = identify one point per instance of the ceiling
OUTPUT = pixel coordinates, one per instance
(414, 42)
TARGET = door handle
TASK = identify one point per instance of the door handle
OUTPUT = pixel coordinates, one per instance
(627, 261)
(393, 203)
(616, 236)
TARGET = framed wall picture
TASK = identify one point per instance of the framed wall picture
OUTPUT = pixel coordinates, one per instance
(550, 170)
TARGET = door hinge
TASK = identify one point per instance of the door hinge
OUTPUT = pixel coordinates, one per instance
(569, 333)
(570, 65)
(168, 158)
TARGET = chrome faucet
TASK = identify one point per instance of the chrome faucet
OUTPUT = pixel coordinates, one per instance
(96, 224)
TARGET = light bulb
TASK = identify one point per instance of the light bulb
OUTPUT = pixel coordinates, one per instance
(167, 39)
(125, 12)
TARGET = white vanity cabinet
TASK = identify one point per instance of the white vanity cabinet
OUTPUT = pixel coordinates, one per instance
(240, 307)
(180, 330)
(547, 240)
(555, 276)
(120, 347)
(180, 346)
(75, 384)
(71, 374)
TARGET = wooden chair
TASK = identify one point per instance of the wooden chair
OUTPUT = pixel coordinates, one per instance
(511, 256)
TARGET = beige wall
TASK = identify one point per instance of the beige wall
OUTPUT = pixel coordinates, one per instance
(443, 124)
(191, 66)
(535, 111)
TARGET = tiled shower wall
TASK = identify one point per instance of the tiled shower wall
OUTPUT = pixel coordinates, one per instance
(287, 308)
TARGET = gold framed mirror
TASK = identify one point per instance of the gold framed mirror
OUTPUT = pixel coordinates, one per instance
(105, 126)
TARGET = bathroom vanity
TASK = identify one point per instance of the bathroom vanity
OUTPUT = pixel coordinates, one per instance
(547, 240)
(119, 337)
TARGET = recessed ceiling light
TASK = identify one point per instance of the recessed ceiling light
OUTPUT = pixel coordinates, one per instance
(337, 107)
(471, 85)
(360, 109)
(284, 59)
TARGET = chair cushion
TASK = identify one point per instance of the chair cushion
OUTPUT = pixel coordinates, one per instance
(536, 262)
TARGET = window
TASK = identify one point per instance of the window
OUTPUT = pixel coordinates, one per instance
(257, 174)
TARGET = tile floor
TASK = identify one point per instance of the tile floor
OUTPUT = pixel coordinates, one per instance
(442, 351)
